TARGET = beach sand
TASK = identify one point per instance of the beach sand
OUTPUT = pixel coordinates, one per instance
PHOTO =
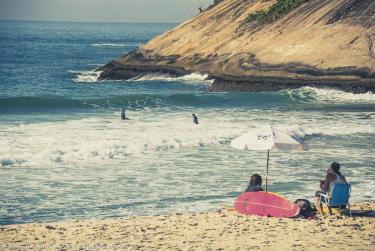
(222, 230)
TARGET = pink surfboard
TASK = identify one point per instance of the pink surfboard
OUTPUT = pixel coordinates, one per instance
(265, 204)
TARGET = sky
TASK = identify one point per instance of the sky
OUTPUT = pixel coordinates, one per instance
(163, 11)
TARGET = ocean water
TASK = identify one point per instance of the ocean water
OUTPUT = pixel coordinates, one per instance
(65, 153)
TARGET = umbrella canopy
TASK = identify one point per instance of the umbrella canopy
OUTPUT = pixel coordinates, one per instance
(267, 138)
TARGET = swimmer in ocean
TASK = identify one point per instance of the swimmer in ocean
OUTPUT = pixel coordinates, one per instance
(195, 119)
(123, 116)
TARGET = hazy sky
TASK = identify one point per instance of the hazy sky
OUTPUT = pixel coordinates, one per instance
(101, 10)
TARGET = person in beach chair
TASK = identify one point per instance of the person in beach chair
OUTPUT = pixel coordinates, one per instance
(255, 184)
(338, 197)
(333, 178)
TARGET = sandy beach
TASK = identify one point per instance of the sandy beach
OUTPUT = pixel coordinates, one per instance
(221, 230)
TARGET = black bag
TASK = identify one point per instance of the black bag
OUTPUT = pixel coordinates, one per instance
(307, 209)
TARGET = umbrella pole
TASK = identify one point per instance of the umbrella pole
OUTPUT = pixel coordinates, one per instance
(268, 158)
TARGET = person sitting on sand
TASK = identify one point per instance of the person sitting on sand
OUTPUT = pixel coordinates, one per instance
(255, 184)
(333, 177)
(123, 116)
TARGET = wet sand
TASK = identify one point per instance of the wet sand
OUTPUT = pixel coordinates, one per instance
(222, 230)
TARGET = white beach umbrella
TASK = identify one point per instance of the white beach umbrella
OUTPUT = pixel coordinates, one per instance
(267, 138)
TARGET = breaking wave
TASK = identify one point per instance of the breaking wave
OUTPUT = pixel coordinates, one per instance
(329, 129)
(330, 95)
(280, 100)
(83, 140)
(86, 76)
(115, 45)
(190, 78)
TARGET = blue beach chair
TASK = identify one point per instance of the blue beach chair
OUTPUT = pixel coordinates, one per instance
(338, 197)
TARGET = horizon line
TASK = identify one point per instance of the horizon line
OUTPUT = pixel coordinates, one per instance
(87, 21)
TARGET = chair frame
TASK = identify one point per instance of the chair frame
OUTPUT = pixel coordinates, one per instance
(326, 199)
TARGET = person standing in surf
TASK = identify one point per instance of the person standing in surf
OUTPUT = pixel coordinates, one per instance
(123, 116)
(195, 119)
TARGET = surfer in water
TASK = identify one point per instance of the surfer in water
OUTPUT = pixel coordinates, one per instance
(255, 184)
(333, 177)
(195, 119)
(123, 116)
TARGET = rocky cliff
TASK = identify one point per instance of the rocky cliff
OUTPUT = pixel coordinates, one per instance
(251, 45)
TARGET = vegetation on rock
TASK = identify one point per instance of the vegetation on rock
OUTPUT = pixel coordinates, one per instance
(279, 9)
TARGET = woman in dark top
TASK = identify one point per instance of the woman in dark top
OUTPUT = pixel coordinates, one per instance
(333, 177)
(255, 183)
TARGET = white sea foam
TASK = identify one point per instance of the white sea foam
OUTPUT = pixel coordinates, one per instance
(86, 76)
(89, 139)
(190, 78)
(347, 127)
(92, 139)
(115, 45)
(331, 95)
(165, 144)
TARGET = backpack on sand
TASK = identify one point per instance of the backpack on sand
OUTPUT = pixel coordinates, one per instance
(307, 209)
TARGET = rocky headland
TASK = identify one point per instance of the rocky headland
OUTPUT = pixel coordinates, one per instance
(256, 45)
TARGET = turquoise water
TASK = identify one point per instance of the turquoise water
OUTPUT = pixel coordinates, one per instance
(64, 153)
